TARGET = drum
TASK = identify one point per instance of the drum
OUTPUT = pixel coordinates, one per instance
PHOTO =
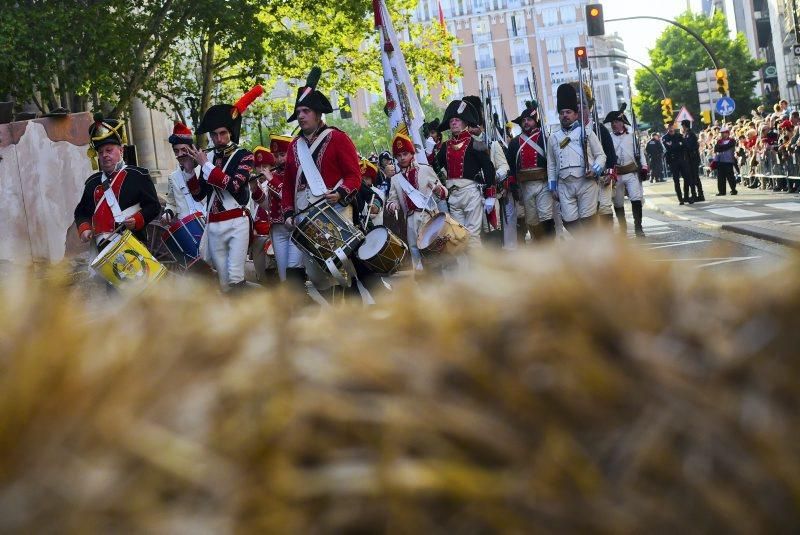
(184, 235)
(382, 251)
(442, 234)
(127, 264)
(327, 237)
(261, 227)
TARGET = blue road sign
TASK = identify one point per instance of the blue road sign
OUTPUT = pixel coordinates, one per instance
(725, 106)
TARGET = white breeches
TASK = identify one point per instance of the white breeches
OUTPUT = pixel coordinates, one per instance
(414, 221)
(466, 207)
(577, 197)
(538, 201)
(287, 255)
(628, 182)
(604, 198)
(227, 246)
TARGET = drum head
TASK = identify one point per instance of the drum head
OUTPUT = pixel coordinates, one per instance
(430, 231)
(374, 241)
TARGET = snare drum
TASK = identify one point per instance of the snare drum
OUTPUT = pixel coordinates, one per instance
(382, 251)
(127, 264)
(442, 234)
(184, 235)
(327, 237)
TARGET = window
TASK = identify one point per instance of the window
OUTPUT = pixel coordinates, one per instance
(570, 42)
(567, 14)
(550, 16)
(553, 45)
(478, 6)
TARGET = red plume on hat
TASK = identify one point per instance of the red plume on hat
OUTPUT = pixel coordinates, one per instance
(227, 115)
(247, 99)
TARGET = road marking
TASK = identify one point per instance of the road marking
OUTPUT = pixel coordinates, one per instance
(791, 206)
(736, 213)
(664, 245)
(660, 232)
(728, 260)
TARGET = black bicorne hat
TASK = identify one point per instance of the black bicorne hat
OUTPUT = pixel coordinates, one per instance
(228, 115)
(618, 115)
(309, 96)
(461, 109)
(531, 110)
(477, 106)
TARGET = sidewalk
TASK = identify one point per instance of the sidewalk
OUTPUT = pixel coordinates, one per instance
(766, 215)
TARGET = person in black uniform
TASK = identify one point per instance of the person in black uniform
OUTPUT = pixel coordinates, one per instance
(469, 170)
(692, 148)
(117, 197)
(676, 159)
(655, 158)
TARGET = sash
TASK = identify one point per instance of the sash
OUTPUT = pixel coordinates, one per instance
(307, 165)
(529, 141)
(416, 196)
(228, 202)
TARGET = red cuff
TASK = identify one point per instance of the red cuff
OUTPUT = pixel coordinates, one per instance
(218, 178)
(139, 218)
(258, 195)
(194, 185)
(83, 227)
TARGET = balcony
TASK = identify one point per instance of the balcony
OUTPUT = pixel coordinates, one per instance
(518, 59)
(484, 63)
(521, 89)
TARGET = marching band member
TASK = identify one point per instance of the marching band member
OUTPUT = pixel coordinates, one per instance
(369, 199)
(117, 197)
(627, 170)
(468, 169)
(527, 158)
(497, 155)
(222, 182)
(263, 160)
(180, 202)
(433, 140)
(287, 256)
(572, 166)
(321, 162)
(413, 189)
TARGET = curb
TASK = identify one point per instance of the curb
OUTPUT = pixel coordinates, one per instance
(736, 228)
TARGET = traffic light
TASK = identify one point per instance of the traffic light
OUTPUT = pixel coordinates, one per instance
(666, 110)
(705, 116)
(594, 20)
(581, 57)
(722, 81)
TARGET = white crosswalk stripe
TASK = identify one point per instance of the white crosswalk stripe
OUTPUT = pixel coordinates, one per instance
(736, 213)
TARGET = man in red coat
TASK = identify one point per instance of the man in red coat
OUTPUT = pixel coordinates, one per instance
(334, 158)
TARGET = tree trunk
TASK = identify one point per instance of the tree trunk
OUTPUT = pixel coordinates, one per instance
(208, 78)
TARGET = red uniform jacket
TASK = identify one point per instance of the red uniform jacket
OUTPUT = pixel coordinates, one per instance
(336, 159)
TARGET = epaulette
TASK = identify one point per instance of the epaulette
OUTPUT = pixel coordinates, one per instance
(98, 174)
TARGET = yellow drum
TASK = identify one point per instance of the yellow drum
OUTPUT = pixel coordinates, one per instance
(127, 264)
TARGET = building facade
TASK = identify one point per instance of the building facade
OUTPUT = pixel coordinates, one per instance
(513, 49)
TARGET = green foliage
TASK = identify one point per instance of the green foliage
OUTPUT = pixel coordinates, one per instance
(165, 50)
(676, 57)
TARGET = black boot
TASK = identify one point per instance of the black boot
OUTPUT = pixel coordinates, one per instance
(296, 280)
(237, 288)
(549, 227)
(636, 208)
(623, 224)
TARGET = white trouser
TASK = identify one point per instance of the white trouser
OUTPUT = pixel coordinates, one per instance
(414, 221)
(227, 246)
(287, 255)
(510, 224)
(538, 201)
(628, 182)
(605, 196)
(577, 197)
(466, 207)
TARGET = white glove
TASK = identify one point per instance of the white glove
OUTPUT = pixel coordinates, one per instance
(488, 205)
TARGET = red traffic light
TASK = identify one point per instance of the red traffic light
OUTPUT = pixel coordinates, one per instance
(581, 57)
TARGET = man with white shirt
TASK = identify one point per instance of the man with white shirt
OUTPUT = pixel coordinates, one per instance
(575, 161)
(180, 202)
(630, 161)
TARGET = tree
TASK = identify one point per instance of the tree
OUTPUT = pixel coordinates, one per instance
(677, 56)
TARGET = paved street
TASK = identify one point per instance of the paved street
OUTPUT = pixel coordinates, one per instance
(717, 234)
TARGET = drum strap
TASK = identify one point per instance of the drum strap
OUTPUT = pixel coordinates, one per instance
(307, 165)
(416, 196)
